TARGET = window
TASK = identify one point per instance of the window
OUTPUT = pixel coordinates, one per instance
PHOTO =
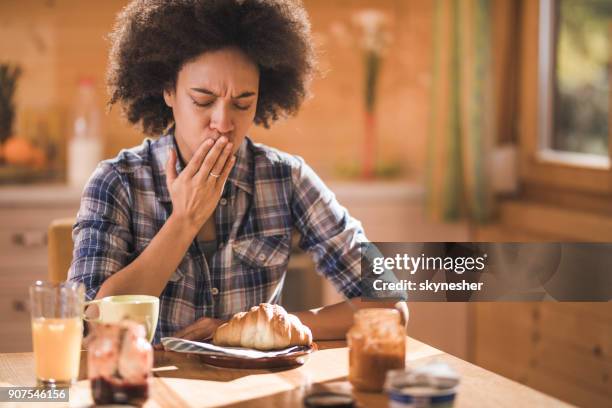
(574, 82)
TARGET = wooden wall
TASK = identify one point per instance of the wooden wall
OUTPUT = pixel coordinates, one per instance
(59, 41)
(562, 349)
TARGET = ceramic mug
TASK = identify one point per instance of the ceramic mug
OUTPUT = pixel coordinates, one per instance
(143, 309)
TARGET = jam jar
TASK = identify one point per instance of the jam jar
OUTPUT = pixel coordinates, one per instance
(119, 363)
(377, 344)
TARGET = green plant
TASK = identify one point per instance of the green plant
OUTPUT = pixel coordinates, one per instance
(9, 74)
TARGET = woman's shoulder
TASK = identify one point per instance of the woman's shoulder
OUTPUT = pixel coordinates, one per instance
(264, 155)
(146, 155)
(135, 167)
(274, 164)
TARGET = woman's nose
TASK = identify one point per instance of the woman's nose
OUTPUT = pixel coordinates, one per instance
(221, 120)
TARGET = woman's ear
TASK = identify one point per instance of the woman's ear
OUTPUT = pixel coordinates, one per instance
(169, 97)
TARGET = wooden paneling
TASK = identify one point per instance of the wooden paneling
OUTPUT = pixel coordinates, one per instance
(561, 348)
(556, 348)
(566, 198)
(558, 223)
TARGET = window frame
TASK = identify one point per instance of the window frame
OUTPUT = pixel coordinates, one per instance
(540, 166)
(546, 78)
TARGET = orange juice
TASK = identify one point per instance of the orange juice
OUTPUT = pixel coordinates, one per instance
(57, 348)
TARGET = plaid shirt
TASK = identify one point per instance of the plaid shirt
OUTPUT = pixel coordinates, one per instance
(268, 194)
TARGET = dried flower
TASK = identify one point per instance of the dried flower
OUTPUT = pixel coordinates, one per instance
(373, 26)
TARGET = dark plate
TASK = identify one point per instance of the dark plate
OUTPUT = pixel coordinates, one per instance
(293, 359)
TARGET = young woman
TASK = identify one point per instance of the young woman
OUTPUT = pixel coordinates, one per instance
(202, 216)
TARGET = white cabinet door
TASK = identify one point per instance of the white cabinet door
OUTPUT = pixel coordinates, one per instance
(23, 260)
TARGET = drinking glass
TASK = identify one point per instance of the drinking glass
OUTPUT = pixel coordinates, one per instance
(57, 331)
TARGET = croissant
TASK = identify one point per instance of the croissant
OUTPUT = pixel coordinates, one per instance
(264, 327)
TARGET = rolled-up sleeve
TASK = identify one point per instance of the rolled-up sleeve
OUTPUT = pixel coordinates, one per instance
(102, 237)
(328, 232)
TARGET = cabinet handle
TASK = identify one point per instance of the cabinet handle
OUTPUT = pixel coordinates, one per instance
(19, 306)
(597, 351)
(30, 239)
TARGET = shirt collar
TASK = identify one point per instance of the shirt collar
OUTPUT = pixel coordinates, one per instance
(241, 175)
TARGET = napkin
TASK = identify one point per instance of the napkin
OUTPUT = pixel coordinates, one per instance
(190, 346)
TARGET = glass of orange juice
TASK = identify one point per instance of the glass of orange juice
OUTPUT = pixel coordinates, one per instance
(57, 331)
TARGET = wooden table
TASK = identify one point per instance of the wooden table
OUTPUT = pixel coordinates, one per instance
(181, 380)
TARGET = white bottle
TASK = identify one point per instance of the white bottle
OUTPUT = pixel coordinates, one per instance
(85, 145)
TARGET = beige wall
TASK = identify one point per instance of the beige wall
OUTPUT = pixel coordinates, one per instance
(59, 41)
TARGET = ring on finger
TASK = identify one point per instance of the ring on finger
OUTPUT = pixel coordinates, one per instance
(215, 175)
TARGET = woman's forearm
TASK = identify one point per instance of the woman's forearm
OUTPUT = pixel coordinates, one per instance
(333, 321)
(149, 273)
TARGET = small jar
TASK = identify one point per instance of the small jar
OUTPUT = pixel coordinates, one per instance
(377, 344)
(119, 363)
(431, 385)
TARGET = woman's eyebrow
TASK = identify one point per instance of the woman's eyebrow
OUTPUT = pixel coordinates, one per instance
(211, 93)
(204, 91)
(244, 95)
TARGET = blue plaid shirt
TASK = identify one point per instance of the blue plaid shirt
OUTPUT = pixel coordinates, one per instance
(268, 194)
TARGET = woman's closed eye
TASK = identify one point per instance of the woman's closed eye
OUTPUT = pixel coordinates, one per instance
(203, 104)
(210, 103)
(242, 107)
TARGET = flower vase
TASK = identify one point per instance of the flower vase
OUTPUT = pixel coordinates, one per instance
(369, 146)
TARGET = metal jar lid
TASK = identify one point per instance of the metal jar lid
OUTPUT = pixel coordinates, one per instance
(422, 395)
(329, 400)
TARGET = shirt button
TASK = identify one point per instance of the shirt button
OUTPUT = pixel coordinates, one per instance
(214, 291)
(262, 257)
(223, 201)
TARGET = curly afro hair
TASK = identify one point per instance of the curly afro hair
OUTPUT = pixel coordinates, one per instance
(152, 39)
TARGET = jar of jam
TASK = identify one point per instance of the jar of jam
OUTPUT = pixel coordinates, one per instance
(377, 344)
(119, 363)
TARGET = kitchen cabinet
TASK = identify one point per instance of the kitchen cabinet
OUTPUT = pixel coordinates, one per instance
(25, 214)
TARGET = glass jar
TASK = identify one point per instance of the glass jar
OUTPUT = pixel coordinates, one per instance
(377, 344)
(119, 363)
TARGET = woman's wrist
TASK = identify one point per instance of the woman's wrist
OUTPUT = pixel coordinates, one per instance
(183, 225)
